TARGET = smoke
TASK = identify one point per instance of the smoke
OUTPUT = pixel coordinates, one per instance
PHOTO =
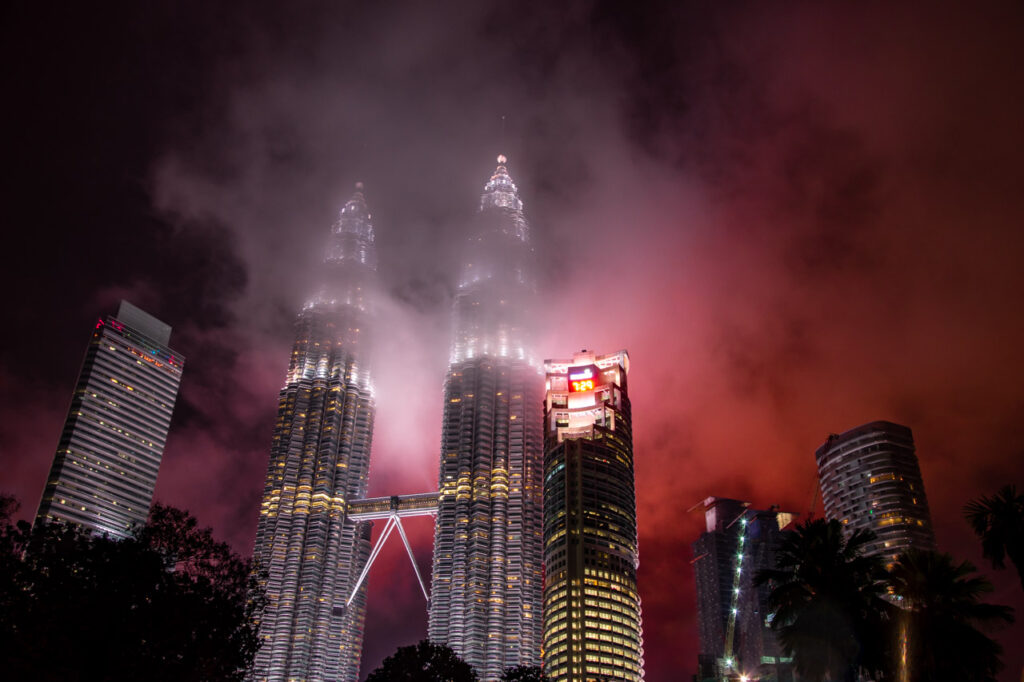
(796, 219)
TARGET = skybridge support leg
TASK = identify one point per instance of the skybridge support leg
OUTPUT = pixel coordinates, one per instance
(408, 548)
(392, 520)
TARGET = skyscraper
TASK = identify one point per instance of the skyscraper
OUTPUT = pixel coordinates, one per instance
(319, 461)
(104, 471)
(487, 579)
(732, 612)
(714, 565)
(870, 479)
(592, 623)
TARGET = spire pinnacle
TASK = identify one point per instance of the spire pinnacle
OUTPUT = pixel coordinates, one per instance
(501, 193)
(352, 232)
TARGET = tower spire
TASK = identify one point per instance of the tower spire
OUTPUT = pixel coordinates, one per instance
(352, 236)
(501, 194)
(319, 460)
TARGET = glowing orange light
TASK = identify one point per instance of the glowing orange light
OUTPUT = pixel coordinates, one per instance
(585, 385)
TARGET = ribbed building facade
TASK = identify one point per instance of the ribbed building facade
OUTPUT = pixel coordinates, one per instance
(105, 468)
(870, 479)
(592, 615)
(310, 555)
(487, 576)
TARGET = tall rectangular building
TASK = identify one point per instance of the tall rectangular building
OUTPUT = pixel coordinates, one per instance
(592, 623)
(732, 612)
(485, 599)
(309, 551)
(870, 479)
(104, 472)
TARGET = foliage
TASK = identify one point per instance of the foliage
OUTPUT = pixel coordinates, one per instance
(826, 602)
(423, 662)
(524, 673)
(942, 609)
(999, 522)
(170, 603)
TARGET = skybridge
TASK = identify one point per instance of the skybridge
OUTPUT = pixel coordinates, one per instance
(394, 509)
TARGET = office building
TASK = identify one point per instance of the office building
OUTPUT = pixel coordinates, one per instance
(592, 616)
(870, 479)
(108, 456)
(732, 612)
(485, 599)
(319, 462)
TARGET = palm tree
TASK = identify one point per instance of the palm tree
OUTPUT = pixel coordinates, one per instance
(826, 603)
(943, 608)
(999, 522)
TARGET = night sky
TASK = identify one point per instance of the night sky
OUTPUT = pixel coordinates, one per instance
(796, 217)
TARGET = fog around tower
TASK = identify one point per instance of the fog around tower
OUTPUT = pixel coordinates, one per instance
(795, 219)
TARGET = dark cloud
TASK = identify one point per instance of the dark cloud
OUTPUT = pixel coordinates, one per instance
(797, 219)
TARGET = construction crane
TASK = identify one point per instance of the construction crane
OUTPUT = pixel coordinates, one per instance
(730, 633)
(728, 657)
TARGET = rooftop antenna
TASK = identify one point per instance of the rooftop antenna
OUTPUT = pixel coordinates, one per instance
(503, 140)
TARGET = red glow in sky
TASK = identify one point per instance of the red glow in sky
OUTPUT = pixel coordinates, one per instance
(796, 220)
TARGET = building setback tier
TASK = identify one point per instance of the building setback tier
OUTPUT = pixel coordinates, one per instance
(485, 599)
(309, 553)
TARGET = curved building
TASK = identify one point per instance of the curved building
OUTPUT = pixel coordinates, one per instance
(870, 479)
(592, 615)
(319, 461)
(487, 574)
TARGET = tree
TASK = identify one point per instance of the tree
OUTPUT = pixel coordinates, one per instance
(826, 602)
(999, 522)
(942, 611)
(170, 603)
(423, 662)
(524, 673)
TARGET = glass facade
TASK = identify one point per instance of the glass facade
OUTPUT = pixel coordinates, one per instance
(485, 599)
(592, 614)
(104, 471)
(870, 479)
(310, 553)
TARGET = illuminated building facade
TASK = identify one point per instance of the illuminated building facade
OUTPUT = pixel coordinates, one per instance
(732, 612)
(319, 462)
(870, 479)
(108, 456)
(592, 616)
(486, 585)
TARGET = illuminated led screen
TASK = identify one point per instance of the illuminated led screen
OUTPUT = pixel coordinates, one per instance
(582, 379)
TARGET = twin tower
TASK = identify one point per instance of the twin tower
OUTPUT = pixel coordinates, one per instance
(492, 540)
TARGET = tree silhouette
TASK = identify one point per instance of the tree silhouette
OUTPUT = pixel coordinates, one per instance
(170, 603)
(423, 662)
(942, 609)
(999, 522)
(826, 602)
(524, 673)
